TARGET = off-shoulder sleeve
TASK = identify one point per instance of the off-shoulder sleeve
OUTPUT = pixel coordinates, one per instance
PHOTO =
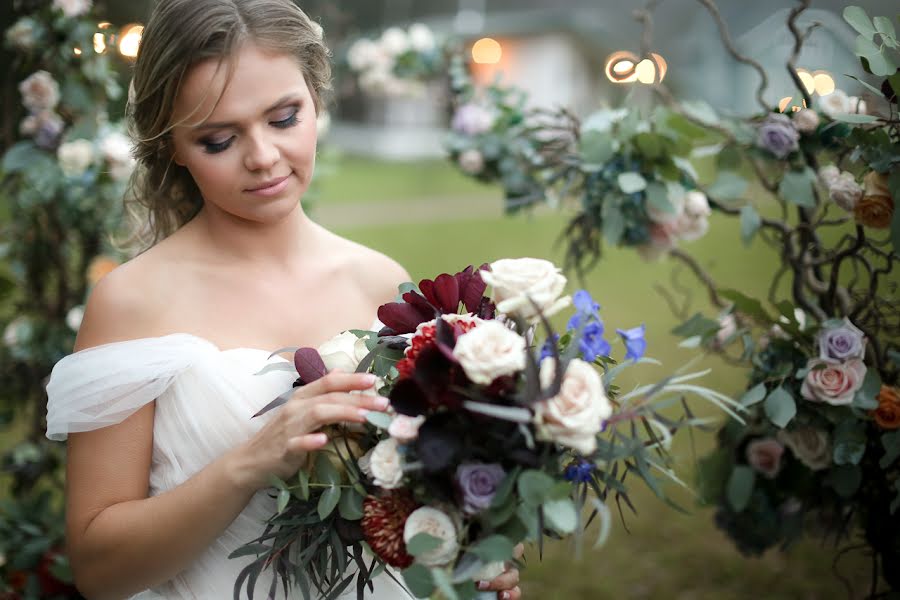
(104, 385)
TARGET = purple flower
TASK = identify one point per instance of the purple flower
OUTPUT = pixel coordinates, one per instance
(635, 344)
(592, 343)
(547, 348)
(778, 135)
(579, 471)
(477, 484)
(842, 342)
(584, 303)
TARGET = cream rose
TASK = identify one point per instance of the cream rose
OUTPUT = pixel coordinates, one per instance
(690, 228)
(806, 121)
(405, 429)
(438, 524)
(810, 445)
(40, 92)
(835, 103)
(524, 286)
(471, 161)
(575, 416)
(490, 351)
(344, 351)
(394, 41)
(829, 174)
(664, 217)
(844, 191)
(385, 464)
(834, 384)
(22, 34)
(696, 204)
(75, 157)
(72, 8)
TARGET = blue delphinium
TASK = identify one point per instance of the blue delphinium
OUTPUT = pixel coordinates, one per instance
(579, 471)
(635, 344)
(587, 319)
(592, 343)
(547, 348)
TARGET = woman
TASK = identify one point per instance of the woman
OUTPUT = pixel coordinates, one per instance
(166, 469)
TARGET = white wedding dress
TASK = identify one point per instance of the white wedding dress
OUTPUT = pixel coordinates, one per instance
(205, 398)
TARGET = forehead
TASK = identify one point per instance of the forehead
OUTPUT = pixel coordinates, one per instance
(237, 87)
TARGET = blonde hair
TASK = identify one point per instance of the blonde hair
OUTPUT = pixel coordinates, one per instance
(162, 195)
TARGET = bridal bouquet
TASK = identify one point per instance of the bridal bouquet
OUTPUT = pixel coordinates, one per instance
(492, 438)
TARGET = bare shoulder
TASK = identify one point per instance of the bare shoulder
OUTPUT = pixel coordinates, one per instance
(378, 274)
(125, 304)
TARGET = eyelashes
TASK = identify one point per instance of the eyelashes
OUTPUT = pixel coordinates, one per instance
(211, 147)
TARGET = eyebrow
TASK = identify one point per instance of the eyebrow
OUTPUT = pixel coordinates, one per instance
(284, 100)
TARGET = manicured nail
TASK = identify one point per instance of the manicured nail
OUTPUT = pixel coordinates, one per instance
(319, 438)
(364, 412)
(483, 585)
(382, 402)
(370, 379)
(504, 595)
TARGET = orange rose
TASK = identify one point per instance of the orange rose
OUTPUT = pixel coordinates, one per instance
(99, 268)
(874, 211)
(876, 184)
(887, 415)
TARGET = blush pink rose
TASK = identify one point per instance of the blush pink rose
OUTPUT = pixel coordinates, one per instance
(764, 456)
(835, 383)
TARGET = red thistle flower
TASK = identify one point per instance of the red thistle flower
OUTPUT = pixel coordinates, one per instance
(383, 520)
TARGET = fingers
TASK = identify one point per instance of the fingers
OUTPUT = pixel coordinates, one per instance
(513, 594)
(321, 414)
(506, 581)
(337, 381)
(307, 443)
(518, 551)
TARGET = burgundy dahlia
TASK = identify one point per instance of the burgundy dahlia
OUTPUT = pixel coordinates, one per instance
(383, 520)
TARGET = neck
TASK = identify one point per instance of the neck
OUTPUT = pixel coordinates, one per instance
(274, 245)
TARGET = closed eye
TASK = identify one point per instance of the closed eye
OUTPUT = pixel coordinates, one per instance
(288, 121)
(216, 147)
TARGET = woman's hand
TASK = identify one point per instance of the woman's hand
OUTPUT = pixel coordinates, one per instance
(281, 446)
(507, 583)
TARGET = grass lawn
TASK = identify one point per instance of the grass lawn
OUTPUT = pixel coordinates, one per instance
(666, 554)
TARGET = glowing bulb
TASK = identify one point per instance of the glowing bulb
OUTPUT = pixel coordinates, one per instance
(824, 83)
(646, 71)
(620, 67)
(807, 80)
(99, 43)
(487, 51)
(76, 51)
(130, 40)
(783, 103)
(661, 64)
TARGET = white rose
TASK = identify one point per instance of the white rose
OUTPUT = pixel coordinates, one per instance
(489, 351)
(344, 351)
(39, 91)
(806, 120)
(696, 204)
(810, 445)
(394, 41)
(691, 228)
(438, 524)
(829, 174)
(72, 8)
(844, 191)
(835, 103)
(727, 329)
(74, 317)
(471, 161)
(575, 416)
(365, 463)
(404, 428)
(857, 105)
(386, 464)
(664, 217)
(420, 37)
(21, 35)
(524, 286)
(75, 157)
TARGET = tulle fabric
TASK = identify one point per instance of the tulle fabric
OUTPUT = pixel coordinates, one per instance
(205, 400)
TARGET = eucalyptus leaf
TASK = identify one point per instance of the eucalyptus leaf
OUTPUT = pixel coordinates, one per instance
(303, 481)
(884, 26)
(613, 222)
(860, 21)
(284, 497)
(849, 442)
(630, 182)
(797, 187)
(596, 148)
(750, 223)
(891, 443)
(493, 548)
(378, 419)
(697, 325)
(561, 515)
(422, 543)
(657, 195)
(854, 118)
(328, 501)
(866, 396)
(754, 395)
(350, 506)
(325, 471)
(535, 487)
(740, 487)
(727, 186)
(780, 407)
(419, 580)
(444, 585)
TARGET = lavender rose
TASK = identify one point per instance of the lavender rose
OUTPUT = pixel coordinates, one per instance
(764, 456)
(843, 342)
(478, 483)
(777, 135)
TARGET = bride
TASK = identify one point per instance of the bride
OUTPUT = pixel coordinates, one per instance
(166, 469)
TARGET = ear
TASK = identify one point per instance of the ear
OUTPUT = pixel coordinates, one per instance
(177, 160)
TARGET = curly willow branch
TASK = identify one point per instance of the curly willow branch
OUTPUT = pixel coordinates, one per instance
(729, 44)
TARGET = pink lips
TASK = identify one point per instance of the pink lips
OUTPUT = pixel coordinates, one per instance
(271, 188)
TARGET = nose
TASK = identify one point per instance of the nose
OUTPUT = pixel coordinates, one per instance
(262, 153)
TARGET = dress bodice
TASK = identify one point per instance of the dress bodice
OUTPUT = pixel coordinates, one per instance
(205, 399)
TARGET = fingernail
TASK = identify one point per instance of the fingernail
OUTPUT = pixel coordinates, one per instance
(504, 595)
(320, 438)
(370, 379)
(382, 402)
(483, 585)
(364, 412)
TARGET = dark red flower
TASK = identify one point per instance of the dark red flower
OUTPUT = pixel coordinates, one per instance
(441, 295)
(383, 520)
